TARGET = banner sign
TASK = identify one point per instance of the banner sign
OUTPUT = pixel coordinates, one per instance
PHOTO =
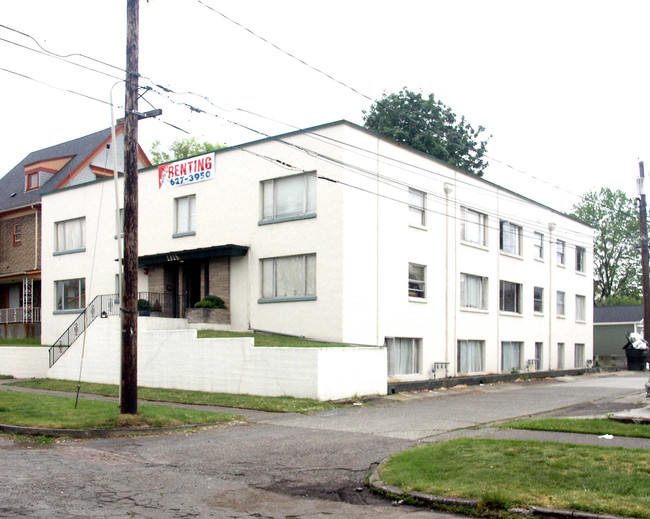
(186, 171)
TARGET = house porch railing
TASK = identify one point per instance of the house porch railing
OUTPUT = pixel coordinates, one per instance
(20, 315)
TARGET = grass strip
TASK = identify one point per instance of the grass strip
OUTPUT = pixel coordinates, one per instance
(506, 473)
(58, 412)
(270, 339)
(284, 404)
(597, 426)
(21, 342)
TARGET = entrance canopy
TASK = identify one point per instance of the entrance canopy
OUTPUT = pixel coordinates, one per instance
(219, 251)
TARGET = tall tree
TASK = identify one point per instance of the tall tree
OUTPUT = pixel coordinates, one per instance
(180, 149)
(428, 125)
(617, 260)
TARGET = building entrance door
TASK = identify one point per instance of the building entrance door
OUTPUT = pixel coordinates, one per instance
(192, 283)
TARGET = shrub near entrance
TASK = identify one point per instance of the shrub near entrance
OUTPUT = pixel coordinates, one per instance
(210, 302)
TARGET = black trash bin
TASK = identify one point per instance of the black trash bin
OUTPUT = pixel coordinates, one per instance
(637, 358)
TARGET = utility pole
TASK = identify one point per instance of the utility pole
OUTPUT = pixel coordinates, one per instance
(644, 262)
(129, 312)
(644, 254)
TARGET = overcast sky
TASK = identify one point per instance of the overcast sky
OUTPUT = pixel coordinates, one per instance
(562, 86)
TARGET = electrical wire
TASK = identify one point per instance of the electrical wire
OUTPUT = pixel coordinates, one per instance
(50, 55)
(313, 153)
(61, 55)
(574, 242)
(208, 100)
(466, 147)
(53, 86)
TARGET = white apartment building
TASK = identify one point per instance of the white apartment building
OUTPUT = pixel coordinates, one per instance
(336, 234)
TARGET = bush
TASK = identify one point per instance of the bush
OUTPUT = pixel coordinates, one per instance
(210, 302)
(143, 305)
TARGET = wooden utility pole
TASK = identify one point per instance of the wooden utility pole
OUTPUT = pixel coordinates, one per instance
(129, 310)
(644, 254)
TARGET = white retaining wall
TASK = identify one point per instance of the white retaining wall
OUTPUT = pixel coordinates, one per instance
(24, 361)
(176, 359)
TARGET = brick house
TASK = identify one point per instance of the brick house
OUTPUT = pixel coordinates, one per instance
(67, 164)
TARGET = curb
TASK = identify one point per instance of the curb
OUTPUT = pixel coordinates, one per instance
(379, 487)
(100, 433)
(474, 380)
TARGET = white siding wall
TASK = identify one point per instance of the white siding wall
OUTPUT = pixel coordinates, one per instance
(379, 243)
(176, 359)
(97, 264)
(363, 243)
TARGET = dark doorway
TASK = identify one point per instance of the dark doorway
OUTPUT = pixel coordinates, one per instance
(192, 282)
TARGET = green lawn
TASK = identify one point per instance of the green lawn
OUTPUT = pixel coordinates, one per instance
(49, 411)
(284, 404)
(597, 426)
(270, 339)
(20, 342)
(506, 473)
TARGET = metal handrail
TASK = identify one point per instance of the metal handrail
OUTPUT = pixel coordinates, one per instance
(163, 304)
(99, 305)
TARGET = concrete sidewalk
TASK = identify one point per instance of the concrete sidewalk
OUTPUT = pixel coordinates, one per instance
(634, 414)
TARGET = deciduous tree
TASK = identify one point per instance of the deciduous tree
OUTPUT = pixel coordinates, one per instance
(617, 256)
(180, 149)
(428, 125)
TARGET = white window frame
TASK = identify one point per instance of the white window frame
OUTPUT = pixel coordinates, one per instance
(538, 244)
(63, 231)
(510, 237)
(578, 355)
(581, 308)
(417, 208)
(467, 361)
(479, 237)
(273, 190)
(507, 368)
(465, 300)
(305, 282)
(503, 285)
(539, 354)
(410, 356)
(187, 227)
(581, 255)
(560, 355)
(560, 306)
(417, 281)
(538, 302)
(561, 252)
(61, 306)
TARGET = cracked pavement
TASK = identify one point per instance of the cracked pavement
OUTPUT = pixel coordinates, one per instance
(282, 465)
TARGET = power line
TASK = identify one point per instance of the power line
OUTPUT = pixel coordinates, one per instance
(378, 102)
(306, 150)
(386, 180)
(405, 187)
(51, 55)
(61, 55)
(53, 86)
(350, 167)
(208, 100)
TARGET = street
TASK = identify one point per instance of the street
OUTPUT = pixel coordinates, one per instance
(281, 465)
